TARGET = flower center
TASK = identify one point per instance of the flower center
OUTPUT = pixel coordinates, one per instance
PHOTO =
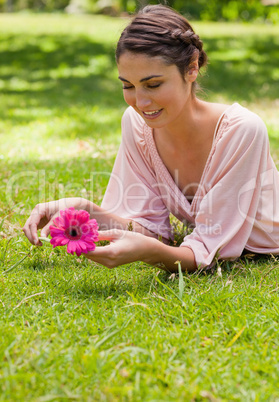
(73, 233)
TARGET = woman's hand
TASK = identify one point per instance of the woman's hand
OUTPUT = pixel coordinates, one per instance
(124, 247)
(42, 217)
(43, 214)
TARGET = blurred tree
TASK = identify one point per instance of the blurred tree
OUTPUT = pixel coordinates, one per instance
(78, 6)
(232, 10)
(142, 3)
(214, 10)
(124, 5)
(9, 6)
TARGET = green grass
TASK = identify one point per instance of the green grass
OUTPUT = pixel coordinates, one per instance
(74, 331)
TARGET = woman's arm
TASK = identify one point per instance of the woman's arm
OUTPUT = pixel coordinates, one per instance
(126, 247)
(43, 214)
(107, 220)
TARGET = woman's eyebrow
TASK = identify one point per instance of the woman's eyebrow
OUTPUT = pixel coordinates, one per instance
(150, 77)
(122, 79)
(143, 79)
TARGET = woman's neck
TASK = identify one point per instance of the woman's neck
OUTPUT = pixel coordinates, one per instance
(189, 127)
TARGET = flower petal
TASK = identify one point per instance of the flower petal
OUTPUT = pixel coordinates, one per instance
(74, 247)
(59, 241)
(71, 248)
(78, 220)
(83, 217)
(55, 231)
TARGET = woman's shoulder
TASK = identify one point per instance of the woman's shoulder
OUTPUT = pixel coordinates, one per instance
(242, 118)
(240, 125)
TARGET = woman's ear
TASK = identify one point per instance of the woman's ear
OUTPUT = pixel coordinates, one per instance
(193, 71)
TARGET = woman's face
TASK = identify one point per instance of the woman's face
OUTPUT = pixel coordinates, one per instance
(154, 89)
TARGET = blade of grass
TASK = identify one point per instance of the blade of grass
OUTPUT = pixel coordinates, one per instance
(110, 335)
(234, 339)
(5, 251)
(16, 264)
(181, 284)
(2, 221)
(27, 298)
(170, 290)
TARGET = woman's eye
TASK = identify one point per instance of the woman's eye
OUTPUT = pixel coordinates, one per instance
(149, 86)
(154, 86)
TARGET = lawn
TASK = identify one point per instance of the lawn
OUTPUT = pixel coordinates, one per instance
(75, 331)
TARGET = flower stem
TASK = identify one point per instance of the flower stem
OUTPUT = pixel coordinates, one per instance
(45, 239)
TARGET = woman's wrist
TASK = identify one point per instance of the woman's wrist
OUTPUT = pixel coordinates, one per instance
(72, 202)
(86, 205)
(105, 219)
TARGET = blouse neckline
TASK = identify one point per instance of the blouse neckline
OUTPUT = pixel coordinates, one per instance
(165, 175)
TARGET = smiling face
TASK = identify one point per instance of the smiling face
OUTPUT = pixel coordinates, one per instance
(154, 89)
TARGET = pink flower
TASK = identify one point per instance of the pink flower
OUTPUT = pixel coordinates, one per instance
(76, 229)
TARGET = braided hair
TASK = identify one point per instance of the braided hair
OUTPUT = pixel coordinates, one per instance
(158, 30)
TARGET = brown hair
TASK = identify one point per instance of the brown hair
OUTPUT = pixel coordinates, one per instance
(161, 31)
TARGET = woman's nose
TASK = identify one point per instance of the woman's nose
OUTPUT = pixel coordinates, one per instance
(142, 100)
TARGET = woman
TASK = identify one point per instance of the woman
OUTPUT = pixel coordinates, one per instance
(208, 164)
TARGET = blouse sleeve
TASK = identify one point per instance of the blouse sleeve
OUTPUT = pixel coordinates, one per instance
(133, 191)
(227, 212)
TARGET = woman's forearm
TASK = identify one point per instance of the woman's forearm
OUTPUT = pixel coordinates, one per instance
(107, 220)
(154, 252)
(165, 257)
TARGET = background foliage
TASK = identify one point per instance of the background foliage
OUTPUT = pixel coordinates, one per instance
(214, 10)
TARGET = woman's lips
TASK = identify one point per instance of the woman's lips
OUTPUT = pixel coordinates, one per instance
(152, 114)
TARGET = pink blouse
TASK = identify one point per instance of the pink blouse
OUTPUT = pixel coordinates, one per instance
(236, 205)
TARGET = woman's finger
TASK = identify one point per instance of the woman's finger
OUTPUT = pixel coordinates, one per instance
(102, 251)
(31, 226)
(112, 234)
(30, 231)
(34, 234)
(104, 255)
(46, 231)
